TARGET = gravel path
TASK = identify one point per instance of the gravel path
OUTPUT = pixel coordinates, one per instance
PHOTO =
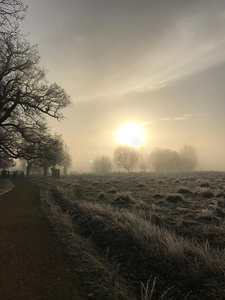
(32, 263)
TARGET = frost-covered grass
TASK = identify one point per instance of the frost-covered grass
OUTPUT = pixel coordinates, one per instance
(151, 231)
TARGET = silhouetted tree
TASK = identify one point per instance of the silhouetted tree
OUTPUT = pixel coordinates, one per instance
(126, 157)
(102, 164)
(51, 153)
(11, 12)
(25, 95)
(6, 162)
(67, 160)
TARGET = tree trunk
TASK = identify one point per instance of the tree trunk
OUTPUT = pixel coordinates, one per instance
(28, 169)
(45, 171)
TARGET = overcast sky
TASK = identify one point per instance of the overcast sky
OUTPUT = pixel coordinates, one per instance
(160, 63)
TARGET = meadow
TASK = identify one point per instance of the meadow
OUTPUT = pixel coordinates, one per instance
(142, 236)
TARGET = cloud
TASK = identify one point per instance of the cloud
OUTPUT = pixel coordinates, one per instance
(104, 49)
(166, 119)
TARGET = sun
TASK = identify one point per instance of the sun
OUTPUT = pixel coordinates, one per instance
(131, 135)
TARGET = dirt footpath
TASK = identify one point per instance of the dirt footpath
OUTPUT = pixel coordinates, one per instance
(32, 263)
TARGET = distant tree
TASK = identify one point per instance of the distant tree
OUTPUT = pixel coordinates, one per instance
(102, 164)
(51, 154)
(126, 157)
(66, 161)
(6, 162)
(164, 160)
(143, 162)
(155, 160)
(188, 157)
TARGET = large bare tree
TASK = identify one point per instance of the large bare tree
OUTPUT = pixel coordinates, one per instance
(26, 97)
(11, 12)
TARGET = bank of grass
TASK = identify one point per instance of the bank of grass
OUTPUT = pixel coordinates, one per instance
(99, 278)
(5, 186)
(139, 250)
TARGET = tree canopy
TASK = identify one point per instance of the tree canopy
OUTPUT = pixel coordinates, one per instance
(11, 12)
(26, 97)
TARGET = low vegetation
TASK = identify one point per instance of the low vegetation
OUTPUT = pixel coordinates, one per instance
(157, 243)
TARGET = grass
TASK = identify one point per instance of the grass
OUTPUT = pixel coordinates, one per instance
(175, 198)
(157, 248)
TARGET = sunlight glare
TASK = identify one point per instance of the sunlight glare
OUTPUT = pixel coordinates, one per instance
(131, 135)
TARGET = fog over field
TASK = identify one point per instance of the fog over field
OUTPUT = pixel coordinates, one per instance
(160, 64)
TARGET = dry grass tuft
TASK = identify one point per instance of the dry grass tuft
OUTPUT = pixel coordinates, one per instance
(184, 190)
(175, 198)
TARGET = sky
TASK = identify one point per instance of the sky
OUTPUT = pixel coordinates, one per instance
(157, 63)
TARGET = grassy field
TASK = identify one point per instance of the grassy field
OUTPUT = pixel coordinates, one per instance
(143, 236)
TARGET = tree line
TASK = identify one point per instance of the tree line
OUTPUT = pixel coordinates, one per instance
(27, 98)
(159, 160)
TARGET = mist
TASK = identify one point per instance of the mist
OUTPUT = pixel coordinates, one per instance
(153, 63)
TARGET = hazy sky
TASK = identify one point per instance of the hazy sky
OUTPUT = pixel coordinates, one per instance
(161, 63)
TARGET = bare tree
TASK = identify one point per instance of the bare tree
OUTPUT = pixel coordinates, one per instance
(126, 157)
(6, 162)
(24, 91)
(102, 164)
(189, 159)
(155, 160)
(165, 160)
(25, 95)
(11, 12)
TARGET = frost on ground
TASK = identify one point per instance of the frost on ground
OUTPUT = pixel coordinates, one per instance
(146, 226)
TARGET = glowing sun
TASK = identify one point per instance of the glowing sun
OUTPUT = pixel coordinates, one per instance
(131, 135)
